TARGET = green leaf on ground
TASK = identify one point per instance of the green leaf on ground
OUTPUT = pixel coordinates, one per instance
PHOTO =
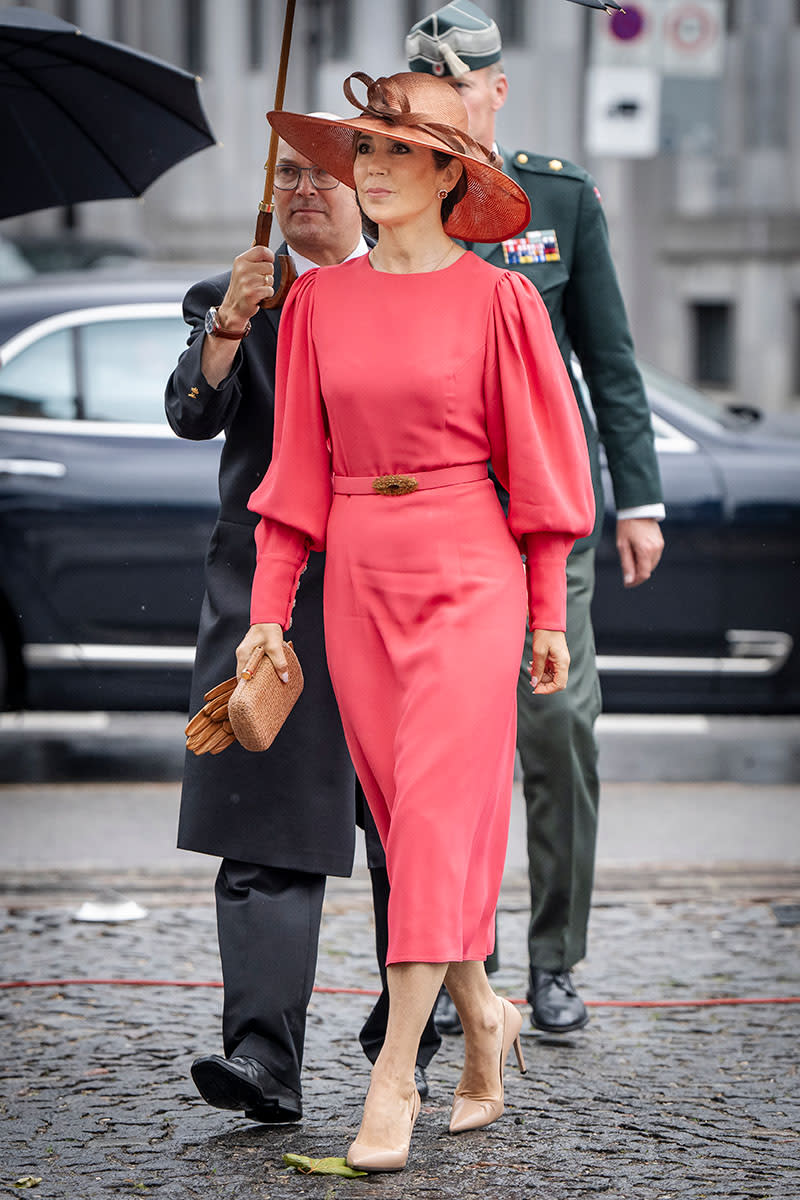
(321, 1166)
(27, 1181)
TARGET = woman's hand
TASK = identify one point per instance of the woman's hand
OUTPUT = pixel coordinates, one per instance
(268, 638)
(550, 662)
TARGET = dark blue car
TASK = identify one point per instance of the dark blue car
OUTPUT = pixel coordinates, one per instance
(105, 516)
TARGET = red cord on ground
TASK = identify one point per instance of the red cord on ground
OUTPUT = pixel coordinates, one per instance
(708, 1002)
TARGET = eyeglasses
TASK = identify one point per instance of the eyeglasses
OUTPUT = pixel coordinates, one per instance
(287, 178)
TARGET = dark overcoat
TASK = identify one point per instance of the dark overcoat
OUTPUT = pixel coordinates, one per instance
(293, 805)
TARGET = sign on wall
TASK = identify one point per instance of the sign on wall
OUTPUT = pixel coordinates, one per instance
(639, 61)
(693, 37)
(623, 111)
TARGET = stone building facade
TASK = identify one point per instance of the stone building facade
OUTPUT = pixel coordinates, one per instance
(706, 236)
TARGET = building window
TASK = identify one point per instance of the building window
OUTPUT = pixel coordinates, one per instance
(194, 31)
(118, 21)
(256, 34)
(340, 29)
(330, 26)
(512, 24)
(712, 343)
(415, 10)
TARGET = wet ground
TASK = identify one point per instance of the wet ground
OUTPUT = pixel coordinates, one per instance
(646, 1102)
(666, 1095)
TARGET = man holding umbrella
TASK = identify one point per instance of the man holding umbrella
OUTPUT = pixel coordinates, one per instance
(283, 820)
(566, 256)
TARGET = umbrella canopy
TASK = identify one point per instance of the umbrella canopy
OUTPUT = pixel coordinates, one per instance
(608, 5)
(86, 119)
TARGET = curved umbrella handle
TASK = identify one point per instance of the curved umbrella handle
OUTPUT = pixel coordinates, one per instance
(288, 272)
(288, 276)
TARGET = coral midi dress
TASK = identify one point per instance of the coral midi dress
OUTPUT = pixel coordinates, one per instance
(425, 592)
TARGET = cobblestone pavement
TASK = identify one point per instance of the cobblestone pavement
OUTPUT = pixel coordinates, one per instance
(646, 1103)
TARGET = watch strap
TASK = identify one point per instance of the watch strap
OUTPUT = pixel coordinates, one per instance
(216, 329)
(234, 337)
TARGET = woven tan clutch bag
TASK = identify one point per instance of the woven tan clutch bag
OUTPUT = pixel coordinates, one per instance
(260, 703)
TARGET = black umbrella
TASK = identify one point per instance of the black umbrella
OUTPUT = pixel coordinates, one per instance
(608, 5)
(85, 119)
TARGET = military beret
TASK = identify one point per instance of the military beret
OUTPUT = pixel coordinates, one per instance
(454, 40)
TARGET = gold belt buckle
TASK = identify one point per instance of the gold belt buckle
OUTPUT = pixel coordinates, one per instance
(394, 485)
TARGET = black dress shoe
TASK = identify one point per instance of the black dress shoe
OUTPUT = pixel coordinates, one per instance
(555, 1005)
(445, 1016)
(421, 1080)
(244, 1083)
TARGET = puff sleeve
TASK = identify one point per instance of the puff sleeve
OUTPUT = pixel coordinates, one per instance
(538, 447)
(294, 498)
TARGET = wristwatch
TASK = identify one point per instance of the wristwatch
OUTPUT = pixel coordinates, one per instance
(214, 328)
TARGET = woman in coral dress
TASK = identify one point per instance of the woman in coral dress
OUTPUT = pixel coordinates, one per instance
(399, 376)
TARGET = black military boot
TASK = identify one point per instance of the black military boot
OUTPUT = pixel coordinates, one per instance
(555, 1005)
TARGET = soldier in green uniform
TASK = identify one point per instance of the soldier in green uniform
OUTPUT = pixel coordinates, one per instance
(566, 255)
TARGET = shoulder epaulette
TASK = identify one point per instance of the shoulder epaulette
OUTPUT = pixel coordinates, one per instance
(540, 164)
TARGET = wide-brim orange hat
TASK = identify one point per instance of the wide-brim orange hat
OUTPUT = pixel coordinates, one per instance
(422, 111)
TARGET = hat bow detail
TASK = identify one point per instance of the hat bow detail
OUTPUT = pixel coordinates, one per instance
(382, 99)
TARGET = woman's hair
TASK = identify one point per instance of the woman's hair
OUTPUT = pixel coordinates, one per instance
(441, 158)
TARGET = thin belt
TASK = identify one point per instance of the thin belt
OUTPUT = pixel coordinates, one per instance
(402, 485)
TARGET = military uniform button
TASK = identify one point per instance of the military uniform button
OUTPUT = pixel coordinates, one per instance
(522, 158)
(556, 164)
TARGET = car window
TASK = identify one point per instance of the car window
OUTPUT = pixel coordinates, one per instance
(676, 395)
(40, 381)
(14, 267)
(124, 366)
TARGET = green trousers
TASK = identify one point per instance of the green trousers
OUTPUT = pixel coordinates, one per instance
(555, 739)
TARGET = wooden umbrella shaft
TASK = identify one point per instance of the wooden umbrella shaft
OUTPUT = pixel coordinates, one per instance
(264, 221)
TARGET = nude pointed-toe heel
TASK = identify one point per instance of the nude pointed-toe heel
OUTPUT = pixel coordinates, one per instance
(374, 1158)
(475, 1111)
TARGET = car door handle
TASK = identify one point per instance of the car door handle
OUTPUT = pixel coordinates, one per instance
(32, 466)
